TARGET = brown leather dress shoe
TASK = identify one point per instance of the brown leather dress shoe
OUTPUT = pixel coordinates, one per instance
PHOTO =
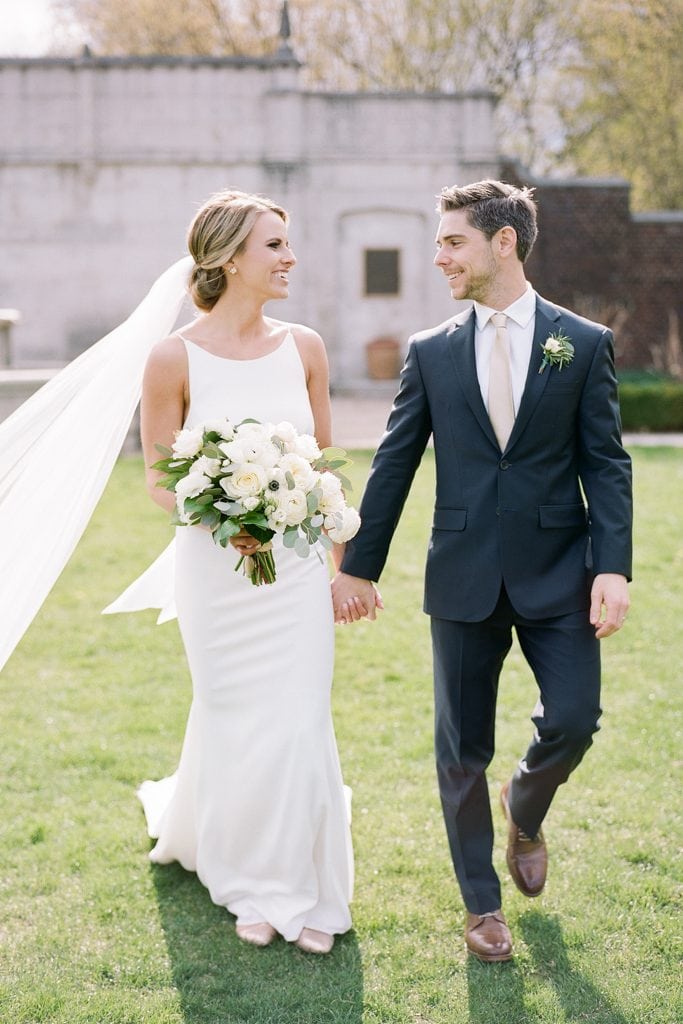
(487, 937)
(527, 859)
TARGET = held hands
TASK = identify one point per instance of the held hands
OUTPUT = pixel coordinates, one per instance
(354, 599)
(609, 603)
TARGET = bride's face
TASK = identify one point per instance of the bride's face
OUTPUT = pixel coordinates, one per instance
(263, 265)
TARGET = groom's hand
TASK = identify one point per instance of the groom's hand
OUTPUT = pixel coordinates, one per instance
(609, 603)
(354, 598)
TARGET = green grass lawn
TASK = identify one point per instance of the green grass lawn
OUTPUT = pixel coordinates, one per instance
(91, 705)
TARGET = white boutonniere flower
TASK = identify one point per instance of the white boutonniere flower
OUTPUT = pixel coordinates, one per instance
(557, 351)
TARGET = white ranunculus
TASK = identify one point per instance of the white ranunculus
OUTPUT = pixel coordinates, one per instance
(207, 466)
(255, 431)
(286, 432)
(188, 442)
(344, 526)
(552, 345)
(247, 479)
(251, 503)
(189, 487)
(306, 446)
(235, 450)
(277, 519)
(293, 504)
(305, 477)
(223, 427)
(265, 453)
(332, 500)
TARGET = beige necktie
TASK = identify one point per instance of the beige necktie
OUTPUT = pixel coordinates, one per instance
(501, 408)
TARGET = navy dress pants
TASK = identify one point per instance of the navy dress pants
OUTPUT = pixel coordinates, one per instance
(564, 656)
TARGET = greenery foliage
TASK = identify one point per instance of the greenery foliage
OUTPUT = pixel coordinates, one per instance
(650, 402)
(91, 933)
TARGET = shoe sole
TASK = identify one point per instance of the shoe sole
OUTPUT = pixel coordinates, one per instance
(492, 959)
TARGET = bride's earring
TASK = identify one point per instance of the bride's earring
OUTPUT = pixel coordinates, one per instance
(232, 270)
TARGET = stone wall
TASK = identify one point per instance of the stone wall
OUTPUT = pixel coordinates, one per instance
(103, 162)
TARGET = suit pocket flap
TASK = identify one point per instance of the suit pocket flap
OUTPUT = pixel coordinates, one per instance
(449, 518)
(558, 516)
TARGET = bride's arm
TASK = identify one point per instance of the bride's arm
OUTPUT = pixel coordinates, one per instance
(162, 410)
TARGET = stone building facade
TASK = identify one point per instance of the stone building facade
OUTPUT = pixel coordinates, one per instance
(103, 162)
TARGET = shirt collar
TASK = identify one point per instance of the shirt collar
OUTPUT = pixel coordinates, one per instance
(521, 310)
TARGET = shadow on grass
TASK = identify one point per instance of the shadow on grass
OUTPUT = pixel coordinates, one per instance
(220, 980)
(579, 998)
(496, 991)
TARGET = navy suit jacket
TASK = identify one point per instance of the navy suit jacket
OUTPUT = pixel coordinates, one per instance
(544, 515)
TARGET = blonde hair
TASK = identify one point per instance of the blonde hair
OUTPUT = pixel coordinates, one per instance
(219, 232)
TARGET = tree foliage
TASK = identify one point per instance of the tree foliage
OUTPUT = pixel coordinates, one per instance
(624, 108)
(586, 85)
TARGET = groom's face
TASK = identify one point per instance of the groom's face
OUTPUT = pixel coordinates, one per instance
(466, 256)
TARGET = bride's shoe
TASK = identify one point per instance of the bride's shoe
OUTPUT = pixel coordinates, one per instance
(261, 934)
(312, 941)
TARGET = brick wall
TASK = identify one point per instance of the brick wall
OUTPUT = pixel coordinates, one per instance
(622, 269)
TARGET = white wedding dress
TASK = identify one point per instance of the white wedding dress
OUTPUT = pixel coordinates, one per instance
(257, 807)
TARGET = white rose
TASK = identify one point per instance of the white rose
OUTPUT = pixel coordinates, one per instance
(306, 446)
(332, 500)
(552, 345)
(305, 478)
(207, 466)
(188, 442)
(189, 487)
(251, 503)
(247, 479)
(293, 504)
(344, 526)
(223, 427)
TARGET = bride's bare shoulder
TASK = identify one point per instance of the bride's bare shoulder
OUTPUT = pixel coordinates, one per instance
(168, 358)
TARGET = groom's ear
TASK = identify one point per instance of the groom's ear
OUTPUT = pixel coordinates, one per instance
(505, 242)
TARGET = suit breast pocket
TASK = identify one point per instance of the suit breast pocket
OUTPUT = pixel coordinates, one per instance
(449, 519)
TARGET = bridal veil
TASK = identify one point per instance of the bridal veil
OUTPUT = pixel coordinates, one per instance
(58, 449)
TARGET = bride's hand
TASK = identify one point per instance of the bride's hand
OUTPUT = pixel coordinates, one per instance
(245, 543)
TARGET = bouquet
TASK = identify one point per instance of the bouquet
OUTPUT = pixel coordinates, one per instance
(261, 478)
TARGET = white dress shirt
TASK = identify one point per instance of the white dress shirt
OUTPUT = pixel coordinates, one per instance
(520, 327)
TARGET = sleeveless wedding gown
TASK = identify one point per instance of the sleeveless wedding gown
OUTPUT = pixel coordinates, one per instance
(256, 807)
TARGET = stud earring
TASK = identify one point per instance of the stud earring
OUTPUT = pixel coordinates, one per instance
(232, 270)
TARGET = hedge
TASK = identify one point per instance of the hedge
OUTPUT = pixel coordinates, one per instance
(651, 403)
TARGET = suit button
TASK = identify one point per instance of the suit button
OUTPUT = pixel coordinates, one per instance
(505, 464)
(497, 511)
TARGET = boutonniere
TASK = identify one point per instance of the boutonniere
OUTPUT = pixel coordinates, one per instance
(557, 351)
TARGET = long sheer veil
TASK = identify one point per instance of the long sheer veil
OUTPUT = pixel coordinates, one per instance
(58, 449)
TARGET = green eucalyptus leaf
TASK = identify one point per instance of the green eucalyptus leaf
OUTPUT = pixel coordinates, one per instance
(302, 547)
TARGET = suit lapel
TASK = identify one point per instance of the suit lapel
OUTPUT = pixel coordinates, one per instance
(546, 315)
(461, 349)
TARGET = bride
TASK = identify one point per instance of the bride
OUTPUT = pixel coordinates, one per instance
(257, 805)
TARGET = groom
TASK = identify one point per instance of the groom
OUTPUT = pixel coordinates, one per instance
(531, 530)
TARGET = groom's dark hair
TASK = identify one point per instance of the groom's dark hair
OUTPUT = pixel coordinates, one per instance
(492, 205)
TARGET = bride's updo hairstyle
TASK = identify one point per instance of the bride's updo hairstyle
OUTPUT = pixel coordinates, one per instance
(219, 232)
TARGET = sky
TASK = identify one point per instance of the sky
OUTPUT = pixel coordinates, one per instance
(25, 27)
